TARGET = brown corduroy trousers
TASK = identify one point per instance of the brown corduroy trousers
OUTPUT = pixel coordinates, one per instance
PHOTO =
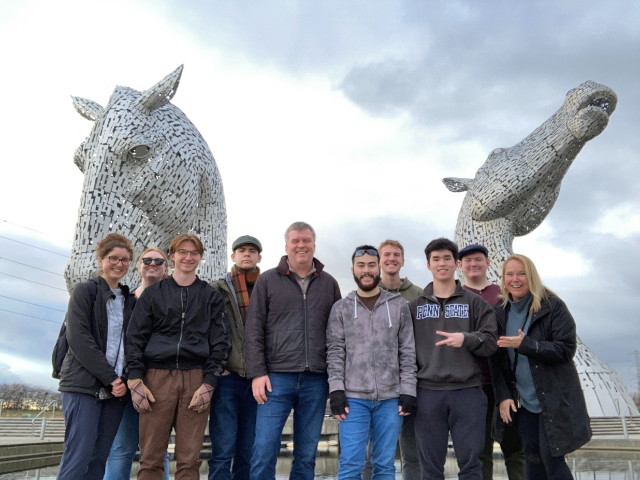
(173, 391)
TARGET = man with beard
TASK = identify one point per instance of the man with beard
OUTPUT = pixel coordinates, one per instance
(372, 369)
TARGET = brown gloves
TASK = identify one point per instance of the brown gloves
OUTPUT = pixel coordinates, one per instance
(202, 398)
(140, 395)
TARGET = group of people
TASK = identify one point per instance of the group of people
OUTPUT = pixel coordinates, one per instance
(398, 364)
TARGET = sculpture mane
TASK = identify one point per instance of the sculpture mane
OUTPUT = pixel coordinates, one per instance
(149, 175)
(516, 187)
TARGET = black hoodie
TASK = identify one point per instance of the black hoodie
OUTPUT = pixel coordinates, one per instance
(450, 368)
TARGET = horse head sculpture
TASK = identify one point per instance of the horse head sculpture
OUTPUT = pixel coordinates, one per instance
(149, 175)
(516, 188)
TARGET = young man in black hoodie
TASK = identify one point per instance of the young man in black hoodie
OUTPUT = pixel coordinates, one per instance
(177, 346)
(452, 326)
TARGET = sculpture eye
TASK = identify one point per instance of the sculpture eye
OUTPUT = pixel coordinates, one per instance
(140, 152)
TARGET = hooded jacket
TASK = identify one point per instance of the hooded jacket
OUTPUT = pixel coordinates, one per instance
(408, 290)
(450, 368)
(371, 354)
(176, 327)
(550, 345)
(286, 329)
(85, 368)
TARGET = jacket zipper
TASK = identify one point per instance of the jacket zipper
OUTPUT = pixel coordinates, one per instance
(304, 305)
(183, 307)
(375, 370)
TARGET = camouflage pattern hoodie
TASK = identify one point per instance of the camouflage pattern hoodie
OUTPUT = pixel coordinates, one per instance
(371, 354)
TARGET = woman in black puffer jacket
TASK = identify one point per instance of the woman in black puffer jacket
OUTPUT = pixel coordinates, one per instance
(90, 377)
(534, 378)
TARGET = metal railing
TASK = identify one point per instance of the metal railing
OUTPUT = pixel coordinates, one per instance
(43, 425)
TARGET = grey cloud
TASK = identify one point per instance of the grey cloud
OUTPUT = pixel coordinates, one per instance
(6, 375)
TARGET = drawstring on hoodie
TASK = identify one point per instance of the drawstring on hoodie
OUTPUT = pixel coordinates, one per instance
(355, 309)
(388, 313)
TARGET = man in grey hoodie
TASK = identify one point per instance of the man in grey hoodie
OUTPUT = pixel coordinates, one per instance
(372, 368)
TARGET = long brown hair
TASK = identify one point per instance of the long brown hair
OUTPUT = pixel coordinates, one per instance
(539, 292)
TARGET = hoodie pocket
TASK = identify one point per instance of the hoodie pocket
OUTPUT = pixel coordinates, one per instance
(387, 368)
(358, 373)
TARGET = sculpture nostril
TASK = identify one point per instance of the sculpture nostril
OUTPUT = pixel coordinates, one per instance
(600, 102)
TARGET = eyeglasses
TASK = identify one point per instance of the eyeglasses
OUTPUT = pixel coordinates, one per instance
(193, 253)
(370, 251)
(116, 260)
(156, 261)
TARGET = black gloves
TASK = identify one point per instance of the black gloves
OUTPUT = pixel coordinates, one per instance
(338, 402)
(408, 403)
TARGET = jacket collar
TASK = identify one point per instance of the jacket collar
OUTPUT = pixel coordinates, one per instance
(172, 282)
(428, 291)
(385, 296)
(102, 284)
(545, 308)
(283, 266)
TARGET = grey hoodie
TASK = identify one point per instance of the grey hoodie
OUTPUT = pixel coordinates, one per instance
(371, 354)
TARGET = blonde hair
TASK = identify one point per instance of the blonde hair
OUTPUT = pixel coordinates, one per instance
(153, 249)
(539, 292)
(393, 243)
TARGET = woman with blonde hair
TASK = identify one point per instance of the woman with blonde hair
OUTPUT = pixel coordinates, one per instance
(91, 373)
(535, 381)
(153, 266)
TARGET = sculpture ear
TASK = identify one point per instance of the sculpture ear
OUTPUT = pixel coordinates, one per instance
(457, 184)
(161, 93)
(87, 108)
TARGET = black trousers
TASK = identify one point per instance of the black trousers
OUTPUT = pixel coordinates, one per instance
(90, 427)
(511, 445)
(540, 464)
(463, 413)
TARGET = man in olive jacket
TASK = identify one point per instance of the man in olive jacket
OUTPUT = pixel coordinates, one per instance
(286, 353)
(232, 424)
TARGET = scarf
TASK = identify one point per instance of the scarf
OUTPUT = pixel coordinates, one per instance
(239, 280)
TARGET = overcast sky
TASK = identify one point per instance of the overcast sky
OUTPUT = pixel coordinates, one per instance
(346, 115)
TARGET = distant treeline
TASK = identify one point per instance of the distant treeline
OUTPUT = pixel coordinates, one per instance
(20, 396)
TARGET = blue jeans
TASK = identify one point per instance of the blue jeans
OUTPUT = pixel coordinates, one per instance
(125, 446)
(232, 428)
(381, 419)
(306, 393)
(90, 427)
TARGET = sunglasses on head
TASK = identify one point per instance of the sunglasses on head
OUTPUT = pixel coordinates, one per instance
(369, 251)
(156, 261)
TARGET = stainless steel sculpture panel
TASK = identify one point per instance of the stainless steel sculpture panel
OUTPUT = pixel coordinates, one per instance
(514, 191)
(516, 188)
(149, 175)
